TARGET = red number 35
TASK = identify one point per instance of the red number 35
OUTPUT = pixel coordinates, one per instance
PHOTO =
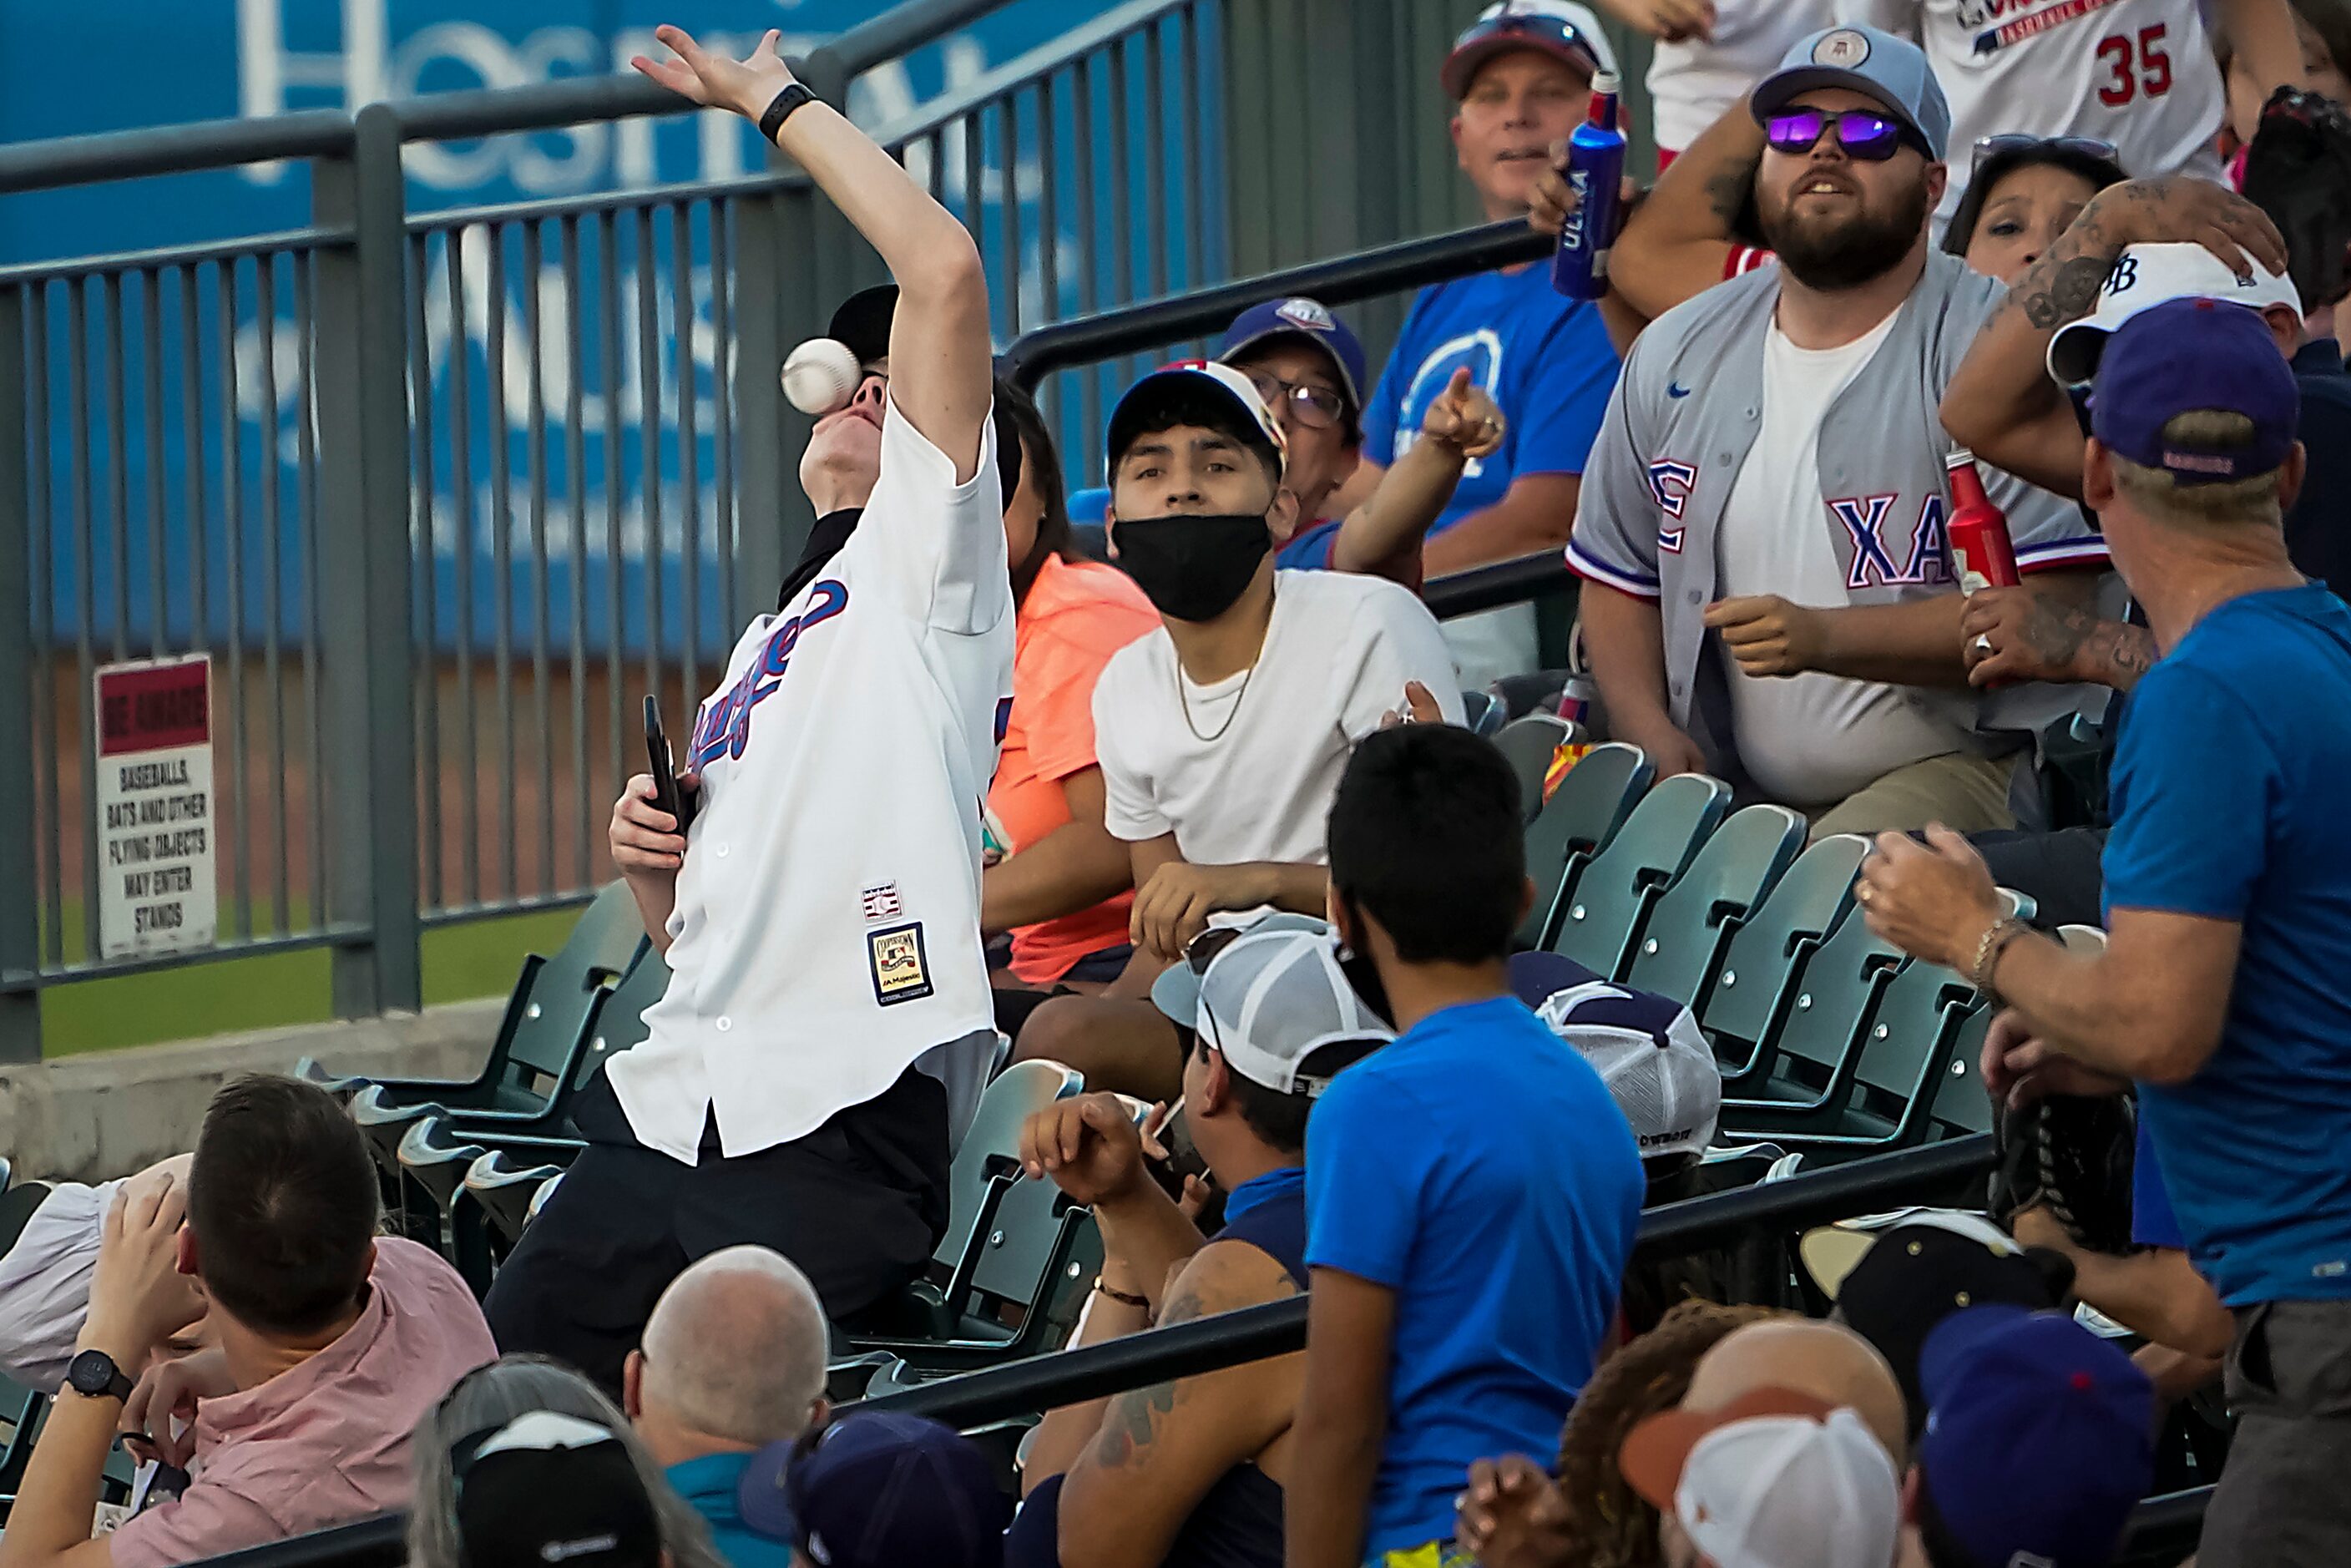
(2152, 78)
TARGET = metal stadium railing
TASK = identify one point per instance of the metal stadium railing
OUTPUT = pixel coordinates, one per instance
(441, 495)
(2164, 1530)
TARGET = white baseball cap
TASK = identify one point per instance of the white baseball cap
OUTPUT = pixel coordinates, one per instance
(1270, 999)
(1648, 1051)
(1775, 1480)
(2145, 276)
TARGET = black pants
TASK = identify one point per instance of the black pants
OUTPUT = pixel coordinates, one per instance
(859, 1205)
(2281, 1502)
(2059, 869)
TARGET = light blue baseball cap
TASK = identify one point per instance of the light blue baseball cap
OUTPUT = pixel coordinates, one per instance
(1892, 70)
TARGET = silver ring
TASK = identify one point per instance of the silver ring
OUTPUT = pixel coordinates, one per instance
(1983, 645)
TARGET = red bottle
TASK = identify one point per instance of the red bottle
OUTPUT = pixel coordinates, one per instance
(1979, 530)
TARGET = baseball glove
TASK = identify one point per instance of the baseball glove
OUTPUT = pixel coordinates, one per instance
(2298, 172)
(2074, 1156)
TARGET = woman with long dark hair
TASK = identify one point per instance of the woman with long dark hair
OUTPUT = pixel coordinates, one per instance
(1062, 886)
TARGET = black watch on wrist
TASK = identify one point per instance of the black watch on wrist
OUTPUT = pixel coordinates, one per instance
(781, 108)
(93, 1373)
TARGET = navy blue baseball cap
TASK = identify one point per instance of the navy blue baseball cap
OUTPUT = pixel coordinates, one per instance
(2039, 1436)
(1301, 318)
(2186, 355)
(877, 1489)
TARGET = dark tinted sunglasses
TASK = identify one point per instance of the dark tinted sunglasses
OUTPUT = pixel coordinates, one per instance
(1866, 137)
(2009, 143)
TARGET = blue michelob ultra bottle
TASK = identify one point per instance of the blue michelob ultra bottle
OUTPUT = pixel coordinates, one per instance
(1595, 173)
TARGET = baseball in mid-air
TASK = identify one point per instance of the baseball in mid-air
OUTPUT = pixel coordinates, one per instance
(822, 375)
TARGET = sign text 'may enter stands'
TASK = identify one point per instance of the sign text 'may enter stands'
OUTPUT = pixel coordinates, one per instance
(157, 887)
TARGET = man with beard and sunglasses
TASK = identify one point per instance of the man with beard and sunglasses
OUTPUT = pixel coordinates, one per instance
(1222, 736)
(1768, 496)
(827, 1023)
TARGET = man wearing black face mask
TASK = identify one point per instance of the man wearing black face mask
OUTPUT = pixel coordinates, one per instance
(829, 1023)
(1221, 736)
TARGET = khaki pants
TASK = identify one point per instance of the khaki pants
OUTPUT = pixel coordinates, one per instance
(1963, 791)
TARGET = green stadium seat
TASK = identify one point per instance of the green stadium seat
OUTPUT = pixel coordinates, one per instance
(553, 1003)
(1806, 1064)
(1009, 1247)
(492, 1205)
(614, 1022)
(1680, 948)
(1960, 1104)
(1904, 1054)
(1603, 915)
(2084, 939)
(1756, 981)
(437, 1159)
(1577, 822)
(1530, 743)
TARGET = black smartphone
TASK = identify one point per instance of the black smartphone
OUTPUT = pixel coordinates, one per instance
(677, 802)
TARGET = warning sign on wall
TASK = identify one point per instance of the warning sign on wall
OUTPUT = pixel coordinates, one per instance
(156, 889)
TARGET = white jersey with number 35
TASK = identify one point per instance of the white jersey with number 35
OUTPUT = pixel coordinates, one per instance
(827, 926)
(2136, 73)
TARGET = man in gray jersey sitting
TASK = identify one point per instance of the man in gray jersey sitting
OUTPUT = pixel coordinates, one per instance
(1768, 498)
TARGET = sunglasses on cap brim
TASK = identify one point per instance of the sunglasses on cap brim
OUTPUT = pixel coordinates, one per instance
(1532, 27)
(2009, 143)
(1866, 136)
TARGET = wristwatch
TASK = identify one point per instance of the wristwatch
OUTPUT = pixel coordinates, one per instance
(780, 109)
(93, 1373)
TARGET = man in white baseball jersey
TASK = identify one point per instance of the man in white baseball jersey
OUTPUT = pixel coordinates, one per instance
(1767, 496)
(828, 1004)
(2137, 74)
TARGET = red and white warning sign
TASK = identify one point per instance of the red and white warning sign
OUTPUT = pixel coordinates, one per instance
(156, 883)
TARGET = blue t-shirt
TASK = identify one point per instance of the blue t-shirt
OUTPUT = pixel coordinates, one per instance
(708, 1485)
(2228, 800)
(2152, 1222)
(1545, 361)
(1479, 1169)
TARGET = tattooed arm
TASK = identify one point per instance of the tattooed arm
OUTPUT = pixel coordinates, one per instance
(1678, 243)
(1160, 1450)
(2039, 636)
(2002, 403)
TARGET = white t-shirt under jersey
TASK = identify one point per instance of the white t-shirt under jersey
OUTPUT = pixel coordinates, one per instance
(1692, 82)
(2138, 73)
(1336, 657)
(1807, 740)
(827, 926)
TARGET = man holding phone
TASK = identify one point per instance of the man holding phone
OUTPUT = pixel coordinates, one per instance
(827, 1025)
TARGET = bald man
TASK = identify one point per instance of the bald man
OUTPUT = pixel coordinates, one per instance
(733, 1359)
(1827, 1361)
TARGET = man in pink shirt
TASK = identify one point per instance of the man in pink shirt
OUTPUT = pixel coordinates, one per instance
(327, 1346)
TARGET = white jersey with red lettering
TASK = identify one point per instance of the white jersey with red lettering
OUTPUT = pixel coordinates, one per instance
(827, 926)
(2136, 73)
(1693, 81)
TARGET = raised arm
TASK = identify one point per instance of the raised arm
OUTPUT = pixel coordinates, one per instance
(1683, 241)
(2001, 403)
(2261, 34)
(940, 365)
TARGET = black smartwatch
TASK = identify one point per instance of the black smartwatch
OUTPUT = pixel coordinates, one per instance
(781, 108)
(93, 1373)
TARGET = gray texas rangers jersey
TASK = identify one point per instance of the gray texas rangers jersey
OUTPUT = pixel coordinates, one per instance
(1680, 424)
